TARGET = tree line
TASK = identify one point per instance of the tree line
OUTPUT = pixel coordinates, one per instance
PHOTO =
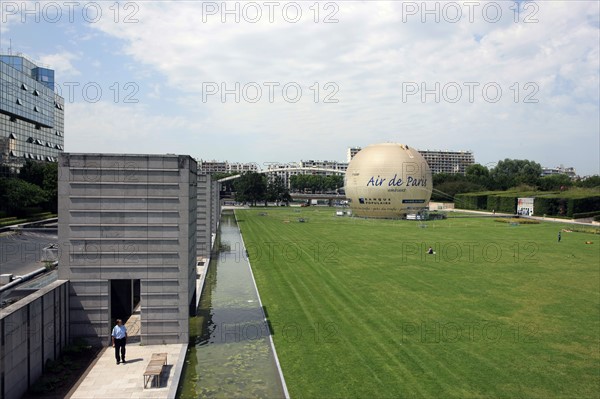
(34, 188)
(506, 174)
(253, 187)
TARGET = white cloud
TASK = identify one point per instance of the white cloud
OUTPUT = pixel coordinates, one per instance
(370, 53)
(63, 62)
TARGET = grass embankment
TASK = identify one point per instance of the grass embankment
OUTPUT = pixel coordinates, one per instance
(359, 309)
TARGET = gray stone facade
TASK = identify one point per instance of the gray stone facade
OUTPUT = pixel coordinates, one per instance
(128, 221)
(209, 214)
(204, 214)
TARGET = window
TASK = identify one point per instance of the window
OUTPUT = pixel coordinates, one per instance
(36, 109)
(36, 93)
(23, 87)
(12, 136)
(30, 140)
(19, 101)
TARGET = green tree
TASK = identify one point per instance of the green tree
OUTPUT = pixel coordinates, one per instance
(334, 182)
(277, 191)
(33, 172)
(251, 187)
(17, 194)
(590, 182)
(513, 172)
(478, 174)
(50, 186)
(555, 182)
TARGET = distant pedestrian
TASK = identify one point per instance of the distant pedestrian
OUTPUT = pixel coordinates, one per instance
(559, 236)
(119, 339)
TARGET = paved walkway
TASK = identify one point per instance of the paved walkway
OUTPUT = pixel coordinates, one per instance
(106, 379)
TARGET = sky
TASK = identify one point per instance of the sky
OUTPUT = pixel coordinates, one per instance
(284, 81)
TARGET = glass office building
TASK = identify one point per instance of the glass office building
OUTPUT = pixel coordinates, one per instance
(31, 114)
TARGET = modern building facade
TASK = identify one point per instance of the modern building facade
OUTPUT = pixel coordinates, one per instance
(308, 167)
(127, 230)
(352, 151)
(559, 170)
(452, 162)
(31, 114)
(226, 167)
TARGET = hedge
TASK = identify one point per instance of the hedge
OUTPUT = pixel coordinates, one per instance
(551, 206)
(584, 204)
(474, 201)
(567, 204)
(586, 215)
(561, 206)
(502, 203)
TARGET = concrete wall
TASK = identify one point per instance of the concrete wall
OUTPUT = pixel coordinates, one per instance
(204, 213)
(32, 331)
(209, 214)
(128, 217)
(215, 206)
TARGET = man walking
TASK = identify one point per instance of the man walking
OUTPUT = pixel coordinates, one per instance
(119, 339)
(559, 236)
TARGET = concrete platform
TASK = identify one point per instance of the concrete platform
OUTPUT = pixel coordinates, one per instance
(106, 379)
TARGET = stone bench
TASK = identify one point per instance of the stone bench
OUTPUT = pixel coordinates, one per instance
(154, 369)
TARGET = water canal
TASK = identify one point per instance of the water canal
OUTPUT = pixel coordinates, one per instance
(230, 354)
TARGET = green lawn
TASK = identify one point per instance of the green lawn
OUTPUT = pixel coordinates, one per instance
(359, 309)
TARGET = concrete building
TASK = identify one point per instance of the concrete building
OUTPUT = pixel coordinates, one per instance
(352, 151)
(127, 230)
(452, 162)
(559, 170)
(308, 167)
(226, 167)
(31, 114)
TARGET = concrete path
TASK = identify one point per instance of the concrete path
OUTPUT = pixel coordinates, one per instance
(106, 379)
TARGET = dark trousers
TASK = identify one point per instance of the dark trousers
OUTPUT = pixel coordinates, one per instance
(120, 343)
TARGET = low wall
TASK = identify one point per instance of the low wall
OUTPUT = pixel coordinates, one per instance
(439, 206)
(32, 331)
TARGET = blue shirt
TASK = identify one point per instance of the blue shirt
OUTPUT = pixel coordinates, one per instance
(119, 331)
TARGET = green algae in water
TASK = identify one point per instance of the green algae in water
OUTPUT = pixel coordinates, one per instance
(230, 354)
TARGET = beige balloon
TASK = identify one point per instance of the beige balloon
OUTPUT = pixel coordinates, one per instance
(388, 180)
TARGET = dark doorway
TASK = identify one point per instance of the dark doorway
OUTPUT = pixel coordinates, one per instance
(121, 299)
